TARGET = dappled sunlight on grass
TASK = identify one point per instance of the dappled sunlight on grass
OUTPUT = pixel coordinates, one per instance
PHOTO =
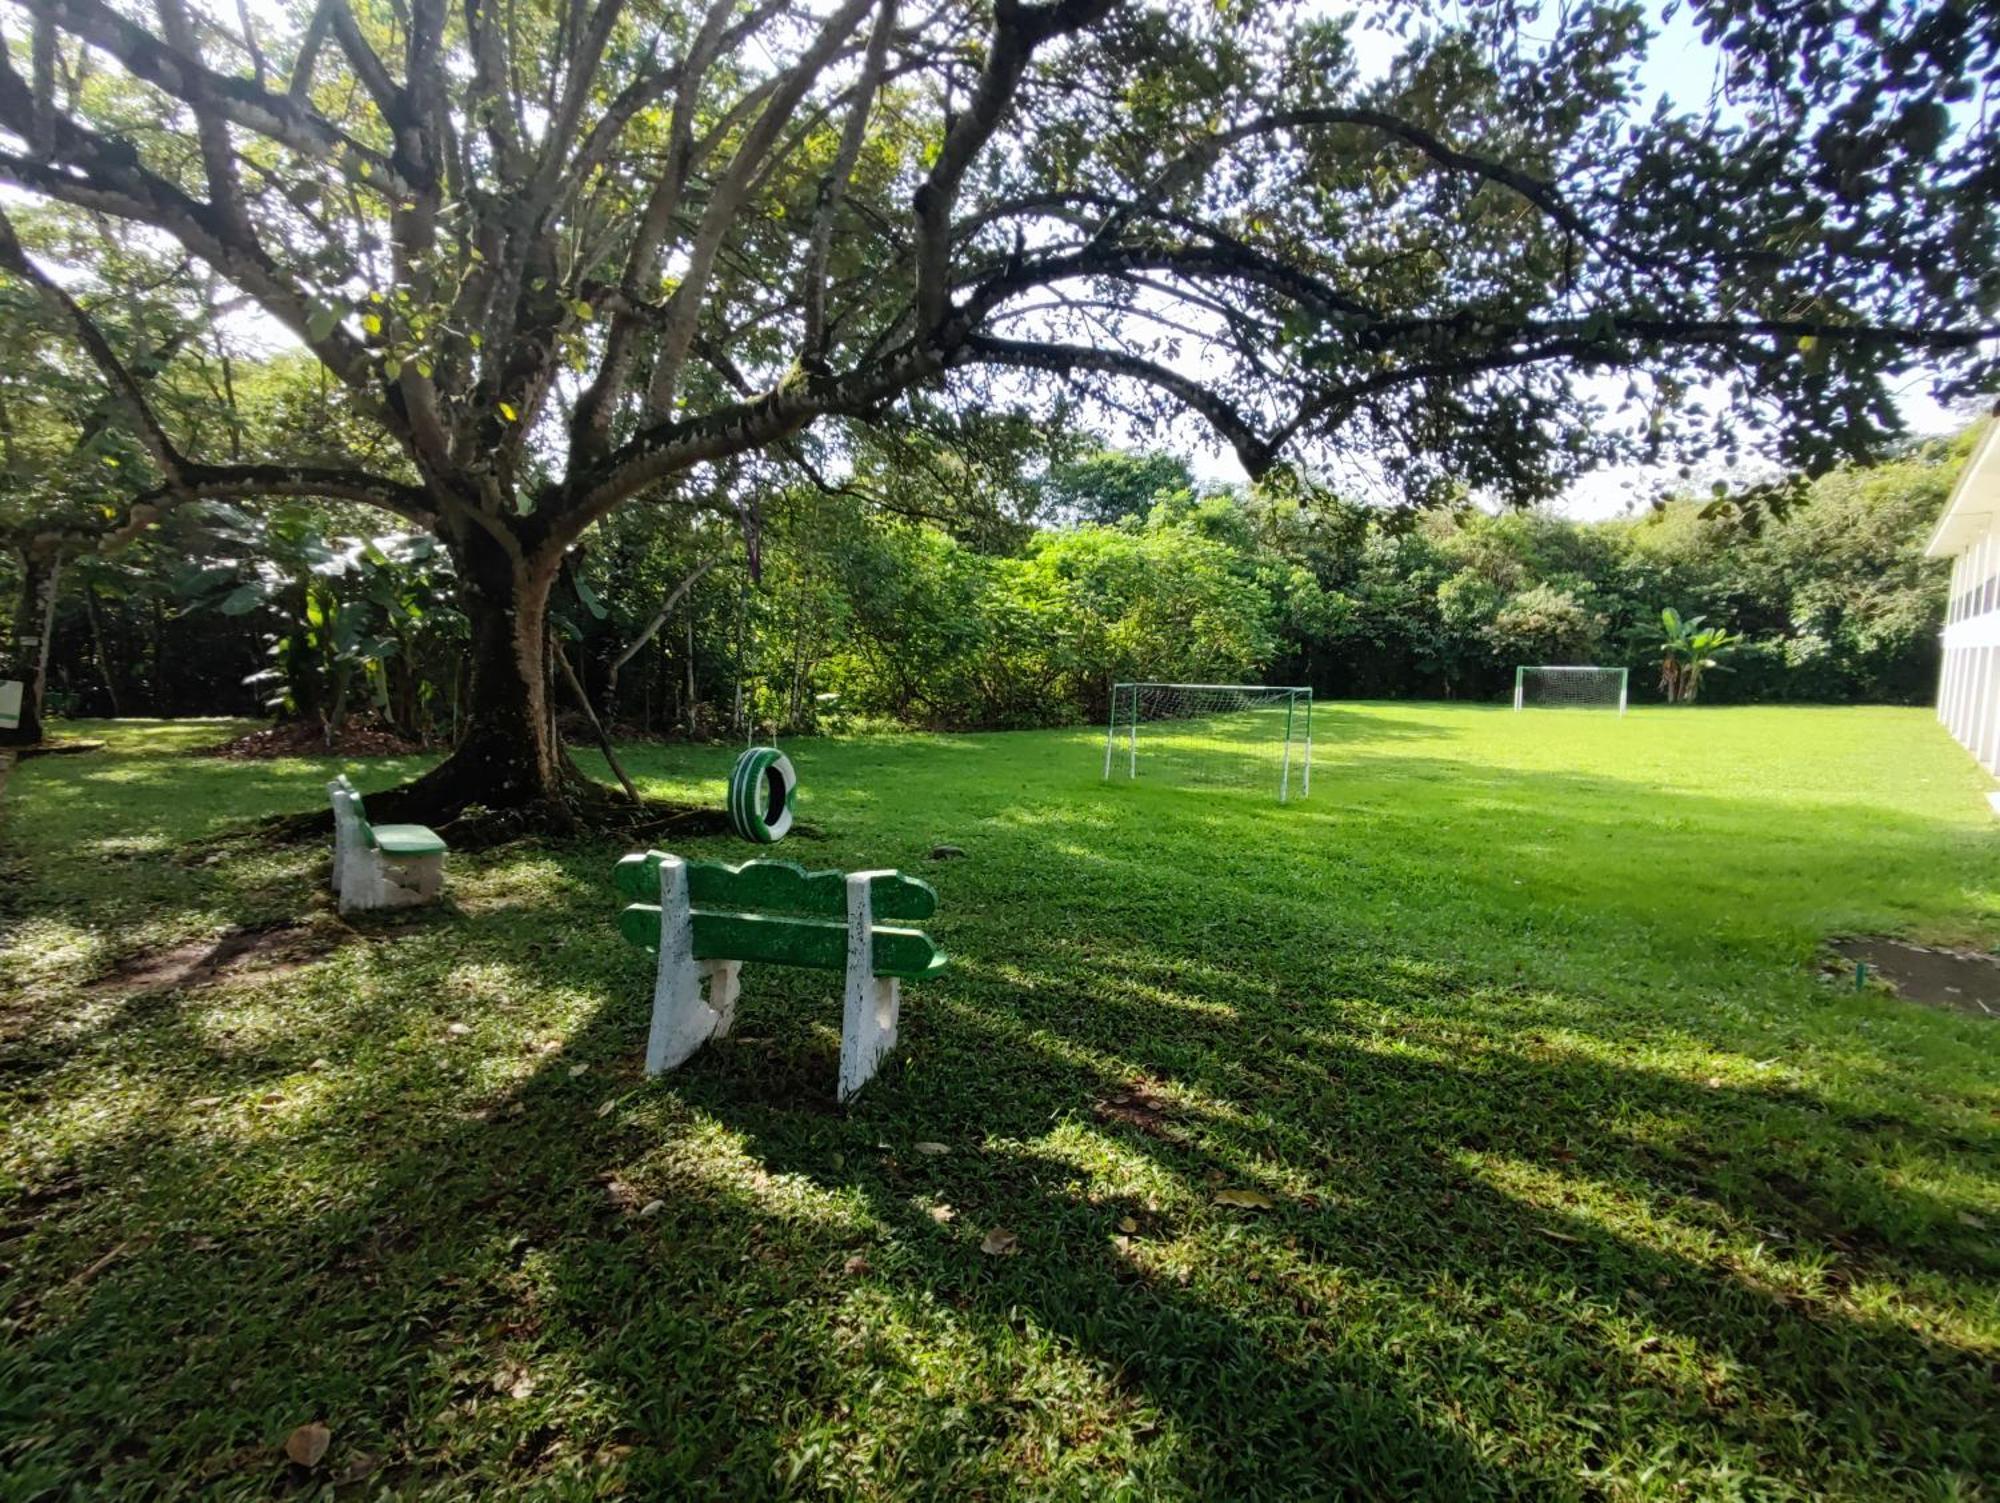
(1579, 1179)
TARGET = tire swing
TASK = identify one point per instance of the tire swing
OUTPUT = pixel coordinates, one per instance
(760, 795)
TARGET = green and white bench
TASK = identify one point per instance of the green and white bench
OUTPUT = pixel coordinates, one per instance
(705, 918)
(381, 866)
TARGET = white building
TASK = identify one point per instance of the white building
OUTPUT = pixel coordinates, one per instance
(1969, 535)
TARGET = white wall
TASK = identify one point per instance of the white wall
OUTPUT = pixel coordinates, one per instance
(1969, 678)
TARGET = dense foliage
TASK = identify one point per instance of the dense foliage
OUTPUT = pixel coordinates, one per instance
(860, 616)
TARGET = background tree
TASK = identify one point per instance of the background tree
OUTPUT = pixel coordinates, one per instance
(1114, 484)
(65, 449)
(564, 258)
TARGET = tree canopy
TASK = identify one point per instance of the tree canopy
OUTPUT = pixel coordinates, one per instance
(562, 258)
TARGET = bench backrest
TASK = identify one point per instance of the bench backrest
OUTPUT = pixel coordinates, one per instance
(349, 817)
(779, 912)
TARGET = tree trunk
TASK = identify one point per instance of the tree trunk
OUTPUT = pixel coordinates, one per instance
(28, 664)
(97, 645)
(507, 757)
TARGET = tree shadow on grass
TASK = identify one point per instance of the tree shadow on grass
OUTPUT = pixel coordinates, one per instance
(1509, 1251)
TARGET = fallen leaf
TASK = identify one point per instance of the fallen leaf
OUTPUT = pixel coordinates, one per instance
(202, 1101)
(1248, 1200)
(1127, 1225)
(1966, 1218)
(608, 1107)
(1555, 1236)
(931, 1150)
(549, 1046)
(576, 1070)
(458, 1030)
(1714, 1082)
(307, 1444)
(652, 1208)
(857, 1264)
(514, 1380)
(943, 1215)
(360, 1466)
(1123, 1245)
(1000, 1243)
(1142, 1104)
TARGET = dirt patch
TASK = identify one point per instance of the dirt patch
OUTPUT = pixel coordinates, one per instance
(358, 738)
(1963, 980)
(1142, 1104)
(270, 950)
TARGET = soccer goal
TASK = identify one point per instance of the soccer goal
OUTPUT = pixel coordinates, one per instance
(1558, 688)
(1234, 735)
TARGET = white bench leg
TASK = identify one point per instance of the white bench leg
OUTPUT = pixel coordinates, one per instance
(725, 985)
(368, 879)
(410, 880)
(872, 1003)
(682, 1021)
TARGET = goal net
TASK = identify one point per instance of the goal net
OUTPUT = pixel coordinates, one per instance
(1230, 735)
(1557, 688)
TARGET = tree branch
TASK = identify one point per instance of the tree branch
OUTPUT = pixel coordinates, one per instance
(834, 185)
(726, 201)
(278, 117)
(124, 386)
(1017, 31)
(1255, 453)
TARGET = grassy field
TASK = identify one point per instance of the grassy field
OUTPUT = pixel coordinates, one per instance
(1581, 1180)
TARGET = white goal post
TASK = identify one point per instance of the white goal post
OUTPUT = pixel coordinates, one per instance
(1243, 735)
(1557, 687)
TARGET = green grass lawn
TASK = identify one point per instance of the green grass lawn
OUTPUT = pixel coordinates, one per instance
(1582, 1181)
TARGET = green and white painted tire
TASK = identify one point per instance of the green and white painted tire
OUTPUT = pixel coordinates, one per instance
(760, 795)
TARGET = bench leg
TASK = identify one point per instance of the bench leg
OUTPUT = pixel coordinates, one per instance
(682, 1021)
(409, 881)
(725, 985)
(868, 1022)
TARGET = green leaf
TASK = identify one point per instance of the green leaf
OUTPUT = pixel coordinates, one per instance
(589, 598)
(242, 600)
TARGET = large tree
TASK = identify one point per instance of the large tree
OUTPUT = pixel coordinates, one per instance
(566, 255)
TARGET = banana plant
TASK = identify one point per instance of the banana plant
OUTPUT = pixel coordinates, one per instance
(1688, 649)
(348, 611)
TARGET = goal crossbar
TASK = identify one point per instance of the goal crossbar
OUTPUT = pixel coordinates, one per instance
(1214, 733)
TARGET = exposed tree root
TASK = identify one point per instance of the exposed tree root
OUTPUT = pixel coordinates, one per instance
(587, 809)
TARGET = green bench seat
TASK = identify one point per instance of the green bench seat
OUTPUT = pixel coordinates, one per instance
(407, 840)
